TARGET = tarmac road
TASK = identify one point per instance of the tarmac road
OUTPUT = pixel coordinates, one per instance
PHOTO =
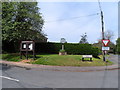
(15, 77)
(114, 58)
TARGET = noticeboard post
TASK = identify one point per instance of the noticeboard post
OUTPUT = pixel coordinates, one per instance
(25, 47)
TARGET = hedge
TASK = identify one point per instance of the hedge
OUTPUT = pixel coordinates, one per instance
(53, 48)
(70, 48)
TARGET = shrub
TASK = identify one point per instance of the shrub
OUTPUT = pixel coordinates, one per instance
(70, 48)
(54, 48)
(62, 51)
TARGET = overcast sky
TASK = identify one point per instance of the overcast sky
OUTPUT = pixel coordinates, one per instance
(70, 20)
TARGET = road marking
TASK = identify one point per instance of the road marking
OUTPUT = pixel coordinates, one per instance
(9, 78)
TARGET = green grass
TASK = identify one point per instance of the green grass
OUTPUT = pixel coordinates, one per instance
(11, 57)
(56, 60)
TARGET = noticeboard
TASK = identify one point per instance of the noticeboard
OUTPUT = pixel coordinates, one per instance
(25, 47)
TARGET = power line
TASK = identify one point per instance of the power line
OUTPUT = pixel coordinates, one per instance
(72, 18)
(99, 5)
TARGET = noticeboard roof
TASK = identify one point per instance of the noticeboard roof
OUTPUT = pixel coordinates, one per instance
(27, 41)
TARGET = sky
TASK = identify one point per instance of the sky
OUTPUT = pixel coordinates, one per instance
(70, 20)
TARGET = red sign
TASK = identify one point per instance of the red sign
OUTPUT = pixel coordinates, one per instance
(105, 42)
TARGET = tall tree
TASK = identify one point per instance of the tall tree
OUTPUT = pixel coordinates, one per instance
(21, 21)
(109, 34)
(118, 45)
(63, 40)
(83, 39)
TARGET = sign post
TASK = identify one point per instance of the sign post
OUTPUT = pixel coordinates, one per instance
(105, 43)
(62, 41)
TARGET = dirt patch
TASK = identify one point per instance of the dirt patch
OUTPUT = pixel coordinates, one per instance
(26, 61)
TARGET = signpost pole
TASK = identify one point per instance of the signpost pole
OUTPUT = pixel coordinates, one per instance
(62, 46)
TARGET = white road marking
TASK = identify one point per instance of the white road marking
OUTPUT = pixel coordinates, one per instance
(9, 78)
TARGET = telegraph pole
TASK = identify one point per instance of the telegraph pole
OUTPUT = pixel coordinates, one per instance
(103, 37)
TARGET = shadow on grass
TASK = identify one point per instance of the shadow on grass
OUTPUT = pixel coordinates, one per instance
(36, 57)
(97, 57)
(87, 60)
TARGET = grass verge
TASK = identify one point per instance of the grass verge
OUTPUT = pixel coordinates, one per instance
(56, 60)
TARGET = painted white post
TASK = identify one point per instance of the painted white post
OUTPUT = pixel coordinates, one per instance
(62, 47)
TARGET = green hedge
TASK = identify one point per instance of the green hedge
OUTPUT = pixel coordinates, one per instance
(54, 48)
(70, 48)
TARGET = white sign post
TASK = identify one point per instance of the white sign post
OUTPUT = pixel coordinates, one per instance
(62, 41)
(105, 48)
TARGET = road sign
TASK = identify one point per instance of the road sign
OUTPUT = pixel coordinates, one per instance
(63, 40)
(105, 42)
(105, 48)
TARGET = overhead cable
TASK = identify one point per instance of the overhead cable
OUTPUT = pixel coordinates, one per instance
(72, 18)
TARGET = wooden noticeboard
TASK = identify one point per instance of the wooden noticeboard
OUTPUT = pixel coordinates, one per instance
(25, 47)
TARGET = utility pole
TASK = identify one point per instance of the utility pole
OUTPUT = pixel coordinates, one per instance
(103, 34)
(103, 37)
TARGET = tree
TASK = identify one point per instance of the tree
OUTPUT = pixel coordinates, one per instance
(63, 40)
(21, 21)
(111, 45)
(118, 45)
(109, 35)
(83, 39)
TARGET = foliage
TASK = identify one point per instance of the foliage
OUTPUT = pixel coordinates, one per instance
(62, 50)
(118, 45)
(53, 48)
(21, 21)
(63, 40)
(11, 57)
(109, 35)
(111, 45)
(70, 48)
(83, 39)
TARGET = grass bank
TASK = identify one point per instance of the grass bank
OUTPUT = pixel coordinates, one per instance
(56, 60)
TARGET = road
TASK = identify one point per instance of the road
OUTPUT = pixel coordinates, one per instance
(114, 58)
(16, 77)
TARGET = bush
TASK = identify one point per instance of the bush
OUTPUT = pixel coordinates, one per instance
(54, 48)
(62, 51)
(70, 48)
